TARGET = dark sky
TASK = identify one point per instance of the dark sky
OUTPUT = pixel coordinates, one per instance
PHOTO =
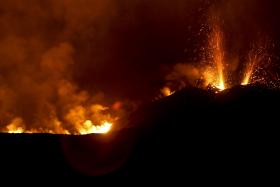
(122, 48)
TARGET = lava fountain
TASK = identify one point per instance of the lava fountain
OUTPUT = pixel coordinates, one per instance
(255, 57)
(213, 71)
(218, 57)
(249, 70)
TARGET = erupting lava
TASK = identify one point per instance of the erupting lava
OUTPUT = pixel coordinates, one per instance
(248, 74)
(218, 57)
(247, 77)
(214, 69)
(254, 58)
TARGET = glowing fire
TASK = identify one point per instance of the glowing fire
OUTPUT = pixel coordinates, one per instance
(15, 126)
(89, 128)
(86, 128)
(166, 91)
(78, 120)
(15, 130)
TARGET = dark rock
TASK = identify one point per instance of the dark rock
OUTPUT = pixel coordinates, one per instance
(194, 133)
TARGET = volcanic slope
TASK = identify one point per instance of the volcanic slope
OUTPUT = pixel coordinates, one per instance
(195, 133)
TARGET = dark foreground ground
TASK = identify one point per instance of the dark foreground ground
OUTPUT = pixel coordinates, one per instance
(194, 133)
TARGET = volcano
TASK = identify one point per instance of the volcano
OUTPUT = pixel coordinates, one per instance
(195, 133)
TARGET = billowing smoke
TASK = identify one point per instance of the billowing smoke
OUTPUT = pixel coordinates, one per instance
(43, 49)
